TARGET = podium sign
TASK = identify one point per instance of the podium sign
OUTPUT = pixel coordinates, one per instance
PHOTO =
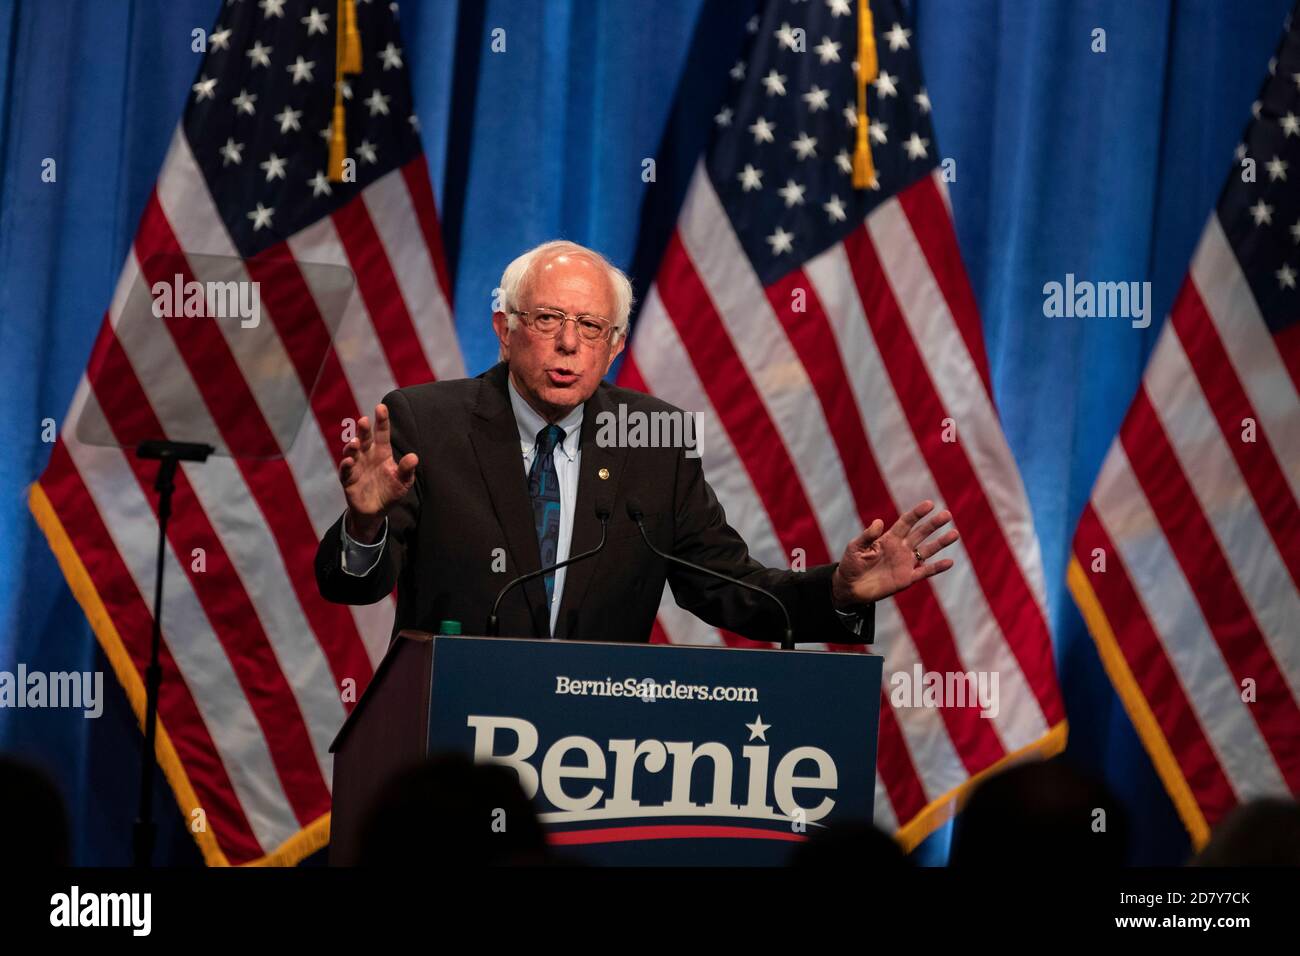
(657, 754)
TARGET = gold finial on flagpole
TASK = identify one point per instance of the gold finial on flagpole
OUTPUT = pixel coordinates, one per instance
(864, 171)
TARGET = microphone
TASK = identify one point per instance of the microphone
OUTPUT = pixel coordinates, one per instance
(634, 512)
(602, 513)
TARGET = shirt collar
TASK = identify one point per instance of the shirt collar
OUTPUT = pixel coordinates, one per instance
(530, 423)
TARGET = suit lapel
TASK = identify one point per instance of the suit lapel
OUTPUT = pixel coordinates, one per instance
(591, 488)
(496, 444)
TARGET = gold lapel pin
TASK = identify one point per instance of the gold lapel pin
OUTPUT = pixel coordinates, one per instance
(603, 474)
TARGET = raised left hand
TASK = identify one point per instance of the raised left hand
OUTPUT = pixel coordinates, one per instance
(876, 565)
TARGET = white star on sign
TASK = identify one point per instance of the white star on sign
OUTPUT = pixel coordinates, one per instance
(828, 50)
(724, 117)
(301, 70)
(366, 150)
(805, 146)
(1262, 213)
(839, 8)
(315, 22)
(203, 88)
(922, 100)
(244, 102)
(780, 241)
(261, 216)
(1286, 277)
(274, 167)
(219, 40)
(392, 57)
(775, 83)
(792, 193)
(762, 130)
(750, 178)
(378, 103)
(259, 55)
(319, 184)
(272, 8)
(1276, 169)
(835, 209)
(1290, 125)
(915, 146)
(816, 98)
(884, 85)
(288, 119)
(897, 38)
(232, 153)
(758, 729)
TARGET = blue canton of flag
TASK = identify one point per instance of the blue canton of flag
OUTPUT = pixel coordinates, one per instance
(781, 155)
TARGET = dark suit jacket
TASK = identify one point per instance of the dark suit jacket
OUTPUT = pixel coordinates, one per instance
(470, 498)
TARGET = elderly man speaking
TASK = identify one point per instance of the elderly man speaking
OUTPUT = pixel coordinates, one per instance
(456, 487)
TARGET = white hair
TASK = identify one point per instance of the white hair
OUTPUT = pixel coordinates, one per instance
(512, 280)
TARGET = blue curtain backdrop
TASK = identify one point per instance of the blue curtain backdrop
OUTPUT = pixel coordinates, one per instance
(1067, 160)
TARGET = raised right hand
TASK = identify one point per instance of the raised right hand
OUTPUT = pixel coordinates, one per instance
(372, 481)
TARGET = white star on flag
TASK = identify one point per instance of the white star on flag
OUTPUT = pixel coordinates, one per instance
(259, 55)
(780, 241)
(774, 82)
(897, 37)
(315, 22)
(261, 216)
(762, 130)
(805, 146)
(828, 50)
(392, 57)
(288, 119)
(750, 178)
(792, 193)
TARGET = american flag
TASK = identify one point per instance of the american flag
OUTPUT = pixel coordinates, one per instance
(256, 665)
(830, 338)
(1186, 560)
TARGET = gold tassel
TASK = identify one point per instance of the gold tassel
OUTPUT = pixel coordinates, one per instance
(351, 39)
(338, 140)
(864, 171)
(347, 59)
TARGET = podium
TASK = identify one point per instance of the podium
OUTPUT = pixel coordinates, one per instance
(633, 754)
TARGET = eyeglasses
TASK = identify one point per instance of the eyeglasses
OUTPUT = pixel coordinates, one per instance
(593, 328)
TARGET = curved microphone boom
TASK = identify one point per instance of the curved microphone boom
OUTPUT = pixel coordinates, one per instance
(602, 514)
(634, 512)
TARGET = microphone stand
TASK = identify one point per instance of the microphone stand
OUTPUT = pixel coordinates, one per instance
(492, 623)
(787, 642)
(168, 454)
